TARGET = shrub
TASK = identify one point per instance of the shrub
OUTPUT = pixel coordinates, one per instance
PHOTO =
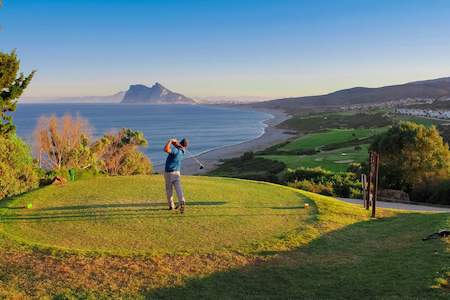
(247, 156)
(344, 184)
(324, 182)
(356, 168)
(356, 193)
(433, 191)
(17, 173)
(118, 154)
(319, 188)
(315, 174)
(135, 163)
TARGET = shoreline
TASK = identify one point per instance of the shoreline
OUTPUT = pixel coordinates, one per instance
(212, 158)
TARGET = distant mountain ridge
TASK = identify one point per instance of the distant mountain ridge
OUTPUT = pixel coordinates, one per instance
(426, 89)
(138, 93)
(157, 94)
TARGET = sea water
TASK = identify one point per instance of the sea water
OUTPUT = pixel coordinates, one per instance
(206, 127)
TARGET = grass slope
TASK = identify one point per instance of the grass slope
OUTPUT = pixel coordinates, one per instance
(331, 251)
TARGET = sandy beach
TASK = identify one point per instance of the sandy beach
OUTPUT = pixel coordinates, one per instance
(211, 159)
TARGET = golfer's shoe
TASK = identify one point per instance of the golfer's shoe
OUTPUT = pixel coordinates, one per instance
(170, 207)
(181, 207)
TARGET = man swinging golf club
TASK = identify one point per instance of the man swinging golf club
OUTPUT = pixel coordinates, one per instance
(176, 151)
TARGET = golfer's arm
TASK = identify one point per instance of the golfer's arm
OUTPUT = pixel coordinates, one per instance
(167, 146)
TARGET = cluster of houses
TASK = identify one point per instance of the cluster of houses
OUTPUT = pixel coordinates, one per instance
(438, 114)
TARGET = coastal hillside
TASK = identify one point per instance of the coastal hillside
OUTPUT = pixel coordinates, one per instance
(408, 93)
(157, 94)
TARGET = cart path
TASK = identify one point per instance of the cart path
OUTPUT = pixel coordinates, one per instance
(403, 206)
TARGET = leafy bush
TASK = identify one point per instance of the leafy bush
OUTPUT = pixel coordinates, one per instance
(135, 163)
(344, 185)
(433, 191)
(319, 188)
(356, 168)
(118, 154)
(247, 156)
(356, 193)
(17, 174)
(324, 182)
(317, 174)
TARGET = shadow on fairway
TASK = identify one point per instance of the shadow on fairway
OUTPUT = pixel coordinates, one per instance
(129, 205)
(289, 207)
(156, 210)
(366, 260)
(71, 217)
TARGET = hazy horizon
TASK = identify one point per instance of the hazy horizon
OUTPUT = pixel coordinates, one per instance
(228, 49)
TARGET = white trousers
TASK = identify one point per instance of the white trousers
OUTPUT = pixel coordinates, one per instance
(173, 179)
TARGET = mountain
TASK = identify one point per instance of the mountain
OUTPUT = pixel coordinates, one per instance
(409, 92)
(157, 94)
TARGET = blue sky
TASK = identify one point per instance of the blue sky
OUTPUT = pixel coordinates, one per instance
(262, 48)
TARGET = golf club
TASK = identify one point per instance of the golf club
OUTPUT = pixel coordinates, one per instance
(202, 166)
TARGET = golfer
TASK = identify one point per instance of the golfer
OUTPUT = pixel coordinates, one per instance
(172, 175)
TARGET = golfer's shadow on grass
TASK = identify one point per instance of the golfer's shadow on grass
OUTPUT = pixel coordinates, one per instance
(161, 205)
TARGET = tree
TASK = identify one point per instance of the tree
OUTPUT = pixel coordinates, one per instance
(63, 143)
(411, 155)
(118, 154)
(12, 86)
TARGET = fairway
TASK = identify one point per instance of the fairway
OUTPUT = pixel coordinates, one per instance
(124, 215)
(318, 140)
(336, 160)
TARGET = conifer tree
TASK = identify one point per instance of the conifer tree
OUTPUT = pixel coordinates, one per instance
(12, 85)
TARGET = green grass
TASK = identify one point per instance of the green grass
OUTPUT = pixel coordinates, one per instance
(98, 239)
(322, 121)
(92, 216)
(335, 160)
(333, 136)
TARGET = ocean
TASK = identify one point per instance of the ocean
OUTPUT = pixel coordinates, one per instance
(206, 127)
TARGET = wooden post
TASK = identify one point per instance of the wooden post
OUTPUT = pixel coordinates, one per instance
(364, 189)
(375, 189)
(369, 183)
